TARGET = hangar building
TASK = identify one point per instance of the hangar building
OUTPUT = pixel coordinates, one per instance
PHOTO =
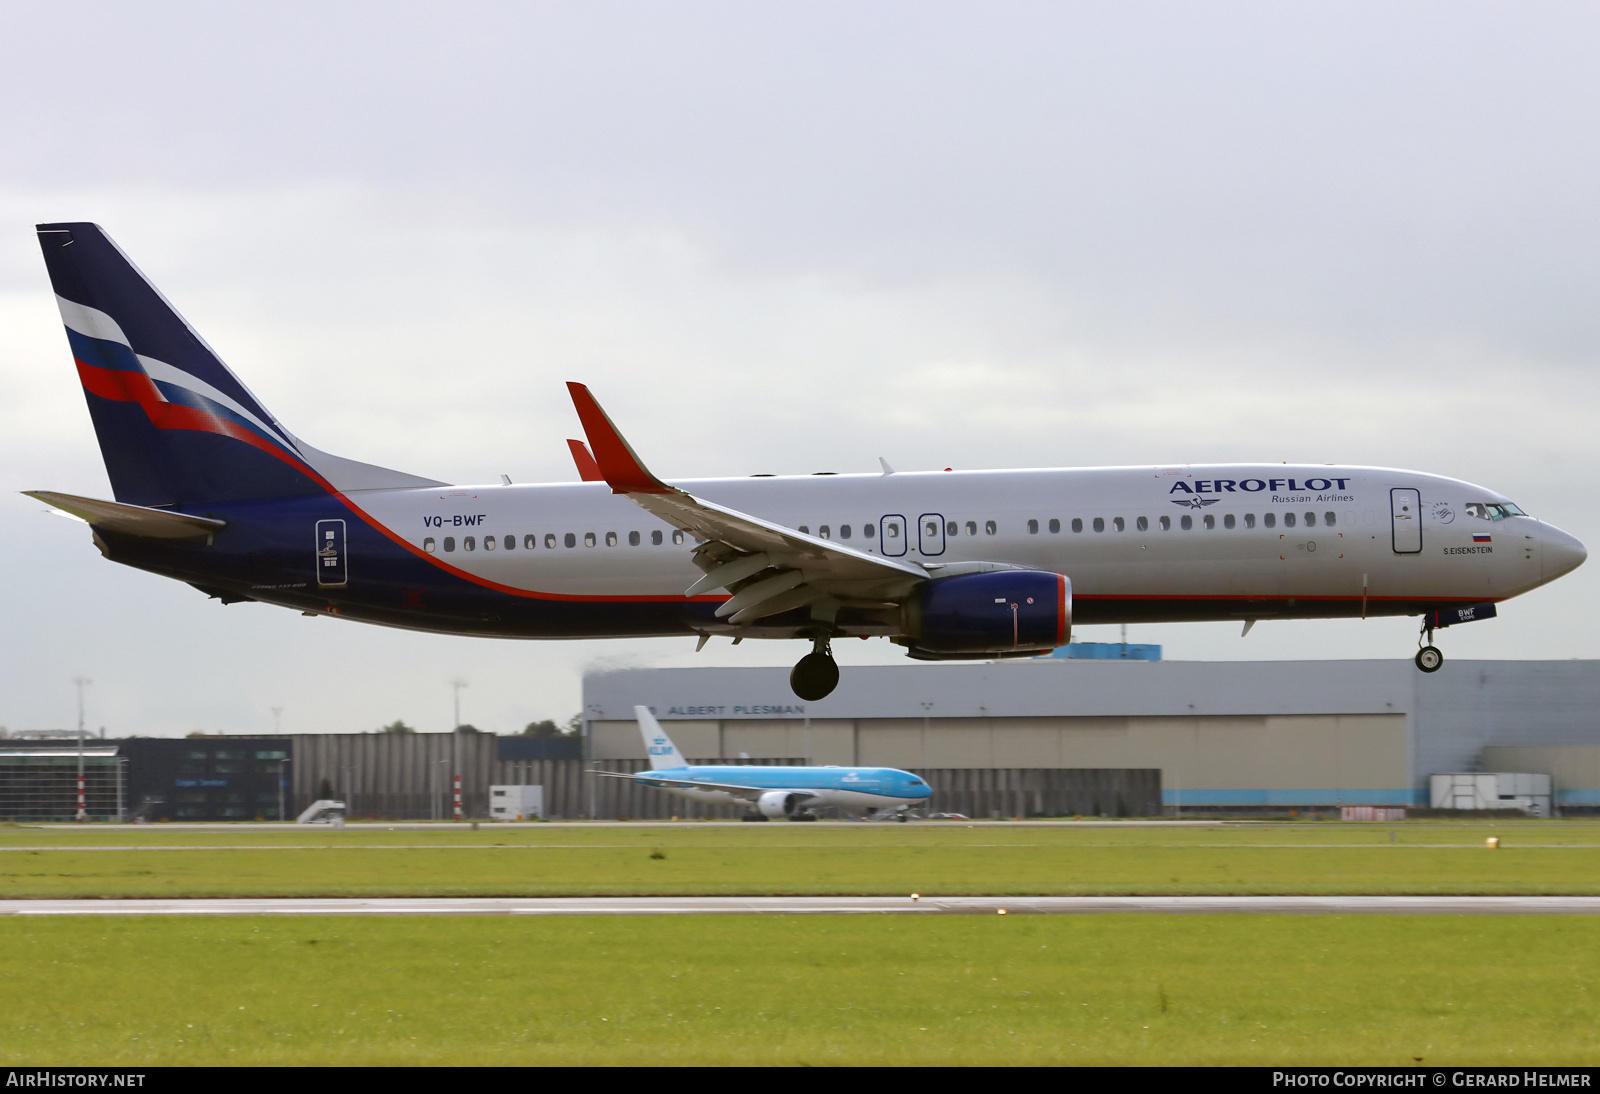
(1237, 735)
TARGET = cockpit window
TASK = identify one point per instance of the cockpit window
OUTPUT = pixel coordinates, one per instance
(1485, 510)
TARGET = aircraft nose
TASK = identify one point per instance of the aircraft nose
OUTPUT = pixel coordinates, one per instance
(1562, 553)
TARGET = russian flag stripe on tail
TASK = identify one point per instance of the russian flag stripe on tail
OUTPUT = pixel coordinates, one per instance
(176, 427)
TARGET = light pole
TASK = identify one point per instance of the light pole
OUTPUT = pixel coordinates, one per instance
(926, 709)
(455, 766)
(81, 682)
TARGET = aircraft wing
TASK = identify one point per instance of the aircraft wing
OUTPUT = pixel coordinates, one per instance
(769, 568)
(752, 792)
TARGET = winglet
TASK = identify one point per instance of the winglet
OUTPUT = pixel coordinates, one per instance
(588, 470)
(623, 471)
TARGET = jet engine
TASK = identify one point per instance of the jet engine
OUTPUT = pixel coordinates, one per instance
(999, 612)
(778, 803)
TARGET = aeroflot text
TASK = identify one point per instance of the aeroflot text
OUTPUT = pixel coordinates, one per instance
(1431, 1078)
(1251, 486)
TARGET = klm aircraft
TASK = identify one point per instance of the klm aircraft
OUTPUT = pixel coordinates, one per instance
(772, 792)
(212, 490)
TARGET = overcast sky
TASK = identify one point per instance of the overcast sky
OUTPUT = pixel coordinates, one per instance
(790, 237)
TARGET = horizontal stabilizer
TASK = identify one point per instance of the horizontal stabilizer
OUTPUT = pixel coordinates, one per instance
(130, 520)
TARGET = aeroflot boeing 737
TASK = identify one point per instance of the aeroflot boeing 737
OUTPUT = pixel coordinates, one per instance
(212, 490)
(776, 791)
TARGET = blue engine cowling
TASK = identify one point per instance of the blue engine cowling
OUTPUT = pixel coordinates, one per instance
(999, 612)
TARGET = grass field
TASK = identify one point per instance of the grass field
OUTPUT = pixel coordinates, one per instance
(802, 990)
(819, 859)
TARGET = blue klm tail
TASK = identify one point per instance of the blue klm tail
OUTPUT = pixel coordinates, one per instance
(176, 427)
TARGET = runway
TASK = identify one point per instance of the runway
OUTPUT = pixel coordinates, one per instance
(826, 905)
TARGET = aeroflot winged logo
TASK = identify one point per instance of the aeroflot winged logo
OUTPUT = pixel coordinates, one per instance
(1194, 503)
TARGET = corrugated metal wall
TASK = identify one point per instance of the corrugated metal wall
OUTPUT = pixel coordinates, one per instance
(1046, 792)
(407, 777)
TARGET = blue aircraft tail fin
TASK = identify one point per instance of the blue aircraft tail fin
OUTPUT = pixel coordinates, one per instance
(657, 745)
(176, 427)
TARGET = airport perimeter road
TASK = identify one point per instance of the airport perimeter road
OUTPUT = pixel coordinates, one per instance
(802, 905)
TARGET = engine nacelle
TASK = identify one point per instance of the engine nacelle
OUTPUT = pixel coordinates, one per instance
(997, 612)
(777, 803)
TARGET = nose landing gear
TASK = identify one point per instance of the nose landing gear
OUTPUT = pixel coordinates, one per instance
(817, 673)
(1429, 658)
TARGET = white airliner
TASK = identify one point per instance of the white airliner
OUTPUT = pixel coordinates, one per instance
(212, 490)
(769, 792)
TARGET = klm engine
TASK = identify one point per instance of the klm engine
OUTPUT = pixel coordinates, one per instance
(778, 803)
(1016, 613)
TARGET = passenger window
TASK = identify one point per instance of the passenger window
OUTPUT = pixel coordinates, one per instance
(655, 538)
(1288, 520)
(1033, 527)
(1117, 523)
(931, 529)
(428, 545)
(869, 530)
(951, 528)
(892, 530)
(569, 540)
(1166, 524)
(1311, 520)
(1249, 520)
(990, 528)
(844, 531)
(805, 529)
(469, 544)
(511, 543)
(1269, 520)
(1209, 521)
(1143, 524)
(550, 541)
(677, 537)
(1077, 524)
(1099, 524)
(489, 544)
(611, 539)
(633, 539)
(972, 527)
(1055, 525)
(1227, 521)
(1330, 518)
(588, 539)
(530, 543)
(824, 533)
(1188, 523)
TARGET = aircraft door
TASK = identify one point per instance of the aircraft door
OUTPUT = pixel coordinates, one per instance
(1405, 510)
(930, 534)
(892, 535)
(331, 563)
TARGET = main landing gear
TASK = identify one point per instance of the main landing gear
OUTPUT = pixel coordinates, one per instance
(817, 673)
(1429, 658)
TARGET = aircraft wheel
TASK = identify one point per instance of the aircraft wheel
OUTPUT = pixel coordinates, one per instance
(1429, 659)
(901, 818)
(754, 817)
(814, 677)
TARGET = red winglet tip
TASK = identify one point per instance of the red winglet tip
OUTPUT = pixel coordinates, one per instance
(588, 470)
(614, 459)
